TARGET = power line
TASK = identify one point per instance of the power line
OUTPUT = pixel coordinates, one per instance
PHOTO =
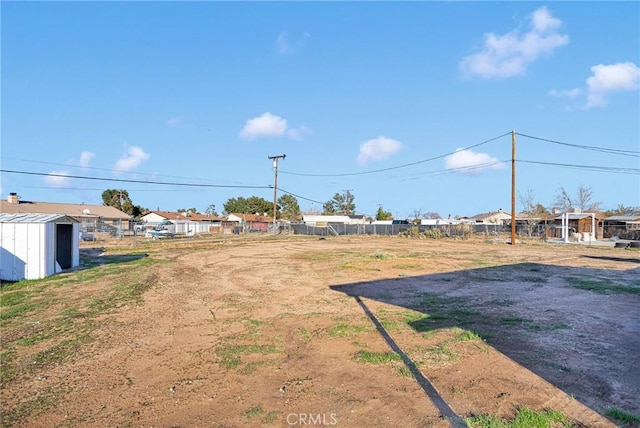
(99, 169)
(395, 167)
(121, 180)
(599, 168)
(632, 153)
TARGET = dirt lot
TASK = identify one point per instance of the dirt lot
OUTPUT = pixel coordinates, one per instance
(349, 332)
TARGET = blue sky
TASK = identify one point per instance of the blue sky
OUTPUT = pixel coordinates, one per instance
(358, 95)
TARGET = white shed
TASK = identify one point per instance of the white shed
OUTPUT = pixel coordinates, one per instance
(34, 246)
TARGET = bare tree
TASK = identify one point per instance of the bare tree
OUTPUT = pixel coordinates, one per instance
(529, 208)
(583, 199)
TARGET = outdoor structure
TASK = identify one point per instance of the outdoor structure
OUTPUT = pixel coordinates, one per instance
(251, 222)
(92, 218)
(499, 217)
(184, 222)
(323, 220)
(34, 246)
(578, 226)
(622, 226)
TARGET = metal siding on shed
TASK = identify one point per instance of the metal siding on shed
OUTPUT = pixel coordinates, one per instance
(7, 257)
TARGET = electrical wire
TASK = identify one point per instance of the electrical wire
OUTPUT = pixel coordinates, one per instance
(395, 167)
(599, 168)
(631, 153)
(122, 180)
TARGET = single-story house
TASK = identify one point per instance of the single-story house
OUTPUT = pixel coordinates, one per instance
(91, 217)
(34, 245)
(251, 222)
(185, 222)
(499, 217)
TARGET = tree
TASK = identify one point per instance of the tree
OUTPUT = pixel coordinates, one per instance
(119, 198)
(383, 215)
(211, 210)
(251, 205)
(583, 200)
(431, 215)
(189, 210)
(531, 209)
(290, 209)
(340, 205)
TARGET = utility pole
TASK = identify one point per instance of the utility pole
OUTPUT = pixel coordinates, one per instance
(347, 201)
(513, 188)
(275, 185)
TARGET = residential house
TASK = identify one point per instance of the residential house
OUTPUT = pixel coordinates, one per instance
(251, 222)
(323, 220)
(92, 218)
(499, 217)
(185, 222)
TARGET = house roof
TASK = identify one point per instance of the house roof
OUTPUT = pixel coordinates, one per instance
(174, 215)
(489, 214)
(34, 218)
(254, 217)
(72, 210)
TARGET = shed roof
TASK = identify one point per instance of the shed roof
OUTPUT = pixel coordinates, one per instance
(74, 210)
(623, 218)
(34, 218)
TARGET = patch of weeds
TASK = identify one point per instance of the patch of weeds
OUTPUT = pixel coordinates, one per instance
(513, 320)
(403, 371)
(253, 412)
(533, 279)
(347, 265)
(231, 355)
(14, 303)
(622, 416)
(346, 330)
(427, 322)
(367, 357)
(60, 352)
(389, 324)
(271, 417)
(37, 406)
(129, 290)
(379, 255)
(7, 364)
(306, 334)
(524, 418)
(601, 286)
(466, 336)
(406, 266)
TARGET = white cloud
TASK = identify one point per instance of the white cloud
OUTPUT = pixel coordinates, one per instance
(134, 157)
(377, 149)
(58, 179)
(471, 162)
(270, 125)
(285, 46)
(175, 121)
(267, 125)
(86, 158)
(623, 76)
(509, 55)
(567, 93)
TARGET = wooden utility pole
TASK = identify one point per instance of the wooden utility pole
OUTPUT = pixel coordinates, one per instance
(275, 185)
(513, 187)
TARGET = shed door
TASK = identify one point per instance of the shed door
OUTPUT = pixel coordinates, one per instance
(64, 245)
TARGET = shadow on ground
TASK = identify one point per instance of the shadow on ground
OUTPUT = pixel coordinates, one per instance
(578, 328)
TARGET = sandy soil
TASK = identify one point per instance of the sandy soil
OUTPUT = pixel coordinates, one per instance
(235, 333)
